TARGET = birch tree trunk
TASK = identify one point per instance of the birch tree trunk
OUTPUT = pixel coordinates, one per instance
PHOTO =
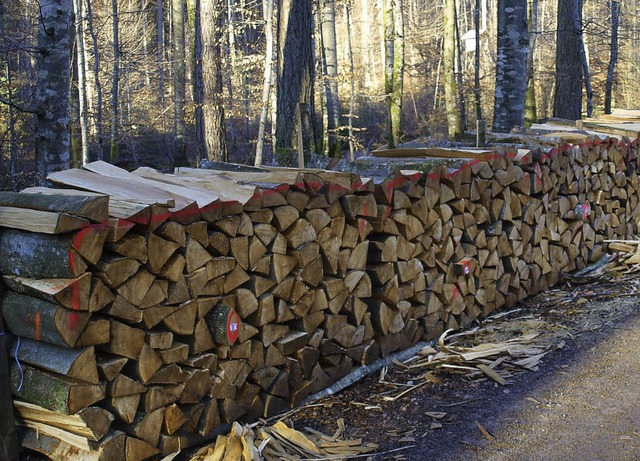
(613, 59)
(448, 58)
(567, 102)
(267, 12)
(82, 77)
(212, 28)
(179, 83)
(295, 74)
(511, 68)
(52, 89)
(115, 116)
(330, 68)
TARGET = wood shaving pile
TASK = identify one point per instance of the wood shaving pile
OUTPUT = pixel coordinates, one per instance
(280, 442)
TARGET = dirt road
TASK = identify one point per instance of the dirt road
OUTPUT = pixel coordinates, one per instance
(582, 403)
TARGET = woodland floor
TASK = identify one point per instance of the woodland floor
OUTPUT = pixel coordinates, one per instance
(581, 402)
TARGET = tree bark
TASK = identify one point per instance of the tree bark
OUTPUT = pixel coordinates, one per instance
(96, 80)
(115, 119)
(52, 88)
(267, 11)
(394, 67)
(198, 84)
(449, 56)
(179, 84)
(530, 105)
(82, 78)
(330, 70)
(476, 81)
(211, 24)
(584, 57)
(295, 70)
(352, 93)
(613, 59)
(511, 65)
(567, 103)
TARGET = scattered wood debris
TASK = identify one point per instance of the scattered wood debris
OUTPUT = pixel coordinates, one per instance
(281, 442)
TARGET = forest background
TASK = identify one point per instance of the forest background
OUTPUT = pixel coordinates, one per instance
(172, 82)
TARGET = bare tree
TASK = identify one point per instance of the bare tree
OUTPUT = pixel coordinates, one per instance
(115, 83)
(78, 10)
(449, 58)
(511, 68)
(613, 59)
(52, 89)
(179, 83)
(394, 67)
(96, 80)
(330, 74)
(530, 106)
(567, 101)
(267, 6)
(212, 17)
(295, 75)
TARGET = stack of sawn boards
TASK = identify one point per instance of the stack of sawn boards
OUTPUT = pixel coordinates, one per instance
(147, 309)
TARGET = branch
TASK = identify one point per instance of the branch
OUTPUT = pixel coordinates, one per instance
(17, 107)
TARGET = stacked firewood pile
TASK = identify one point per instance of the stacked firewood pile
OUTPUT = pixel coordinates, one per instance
(148, 310)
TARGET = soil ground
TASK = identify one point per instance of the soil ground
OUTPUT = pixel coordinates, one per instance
(580, 404)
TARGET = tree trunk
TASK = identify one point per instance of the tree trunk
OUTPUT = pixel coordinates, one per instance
(613, 59)
(52, 88)
(352, 93)
(160, 38)
(295, 70)
(462, 104)
(179, 84)
(82, 77)
(267, 11)
(449, 57)
(330, 68)
(394, 67)
(96, 80)
(211, 26)
(530, 106)
(511, 65)
(198, 84)
(476, 81)
(567, 103)
(584, 57)
(115, 119)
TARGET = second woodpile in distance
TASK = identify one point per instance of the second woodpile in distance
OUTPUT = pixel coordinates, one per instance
(173, 304)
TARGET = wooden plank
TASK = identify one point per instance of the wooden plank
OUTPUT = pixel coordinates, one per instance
(432, 152)
(116, 188)
(92, 207)
(119, 207)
